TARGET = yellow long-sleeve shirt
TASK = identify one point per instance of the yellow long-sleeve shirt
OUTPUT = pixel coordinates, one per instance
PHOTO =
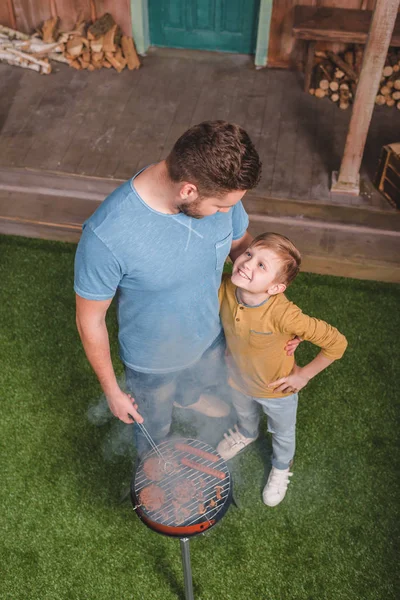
(256, 337)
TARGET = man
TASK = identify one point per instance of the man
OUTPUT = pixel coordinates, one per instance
(160, 242)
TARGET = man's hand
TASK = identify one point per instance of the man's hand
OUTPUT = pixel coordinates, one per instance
(122, 405)
(292, 383)
(291, 345)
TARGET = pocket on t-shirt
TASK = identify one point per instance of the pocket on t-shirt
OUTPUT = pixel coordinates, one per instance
(261, 339)
(222, 250)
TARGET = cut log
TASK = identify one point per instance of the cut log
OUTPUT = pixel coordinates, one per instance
(320, 93)
(110, 39)
(342, 65)
(335, 97)
(129, 50)
(390, 101)
(112, 60)
(23, 59)
(358, 58)
(380, 100)
(57, 57)
(97, 56)
(97, 44)
(349, 58)
(334, 86)
(339, 74)
(387, 71)
(396, 95)
(101, 26)
(13, 34)
(385, 90)
(50, 29)
(75, 46)
(75, 64)
(344, 98)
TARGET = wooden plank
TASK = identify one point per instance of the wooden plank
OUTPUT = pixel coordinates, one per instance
(325, 114)
(188, 101)
(364, 102)
(20, 124)
(55, 110)
(7, 17)
(336, 25)
(269, 133)
(137, 111)
(29, 14)
(49, 183)
(158, 113)
(282, 43)
(358, 244)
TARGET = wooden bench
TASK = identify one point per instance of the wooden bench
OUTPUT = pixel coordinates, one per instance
(325, 24)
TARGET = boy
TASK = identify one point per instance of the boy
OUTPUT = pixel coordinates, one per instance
(258, 320)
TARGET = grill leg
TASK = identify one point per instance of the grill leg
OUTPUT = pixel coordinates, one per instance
(187, 569)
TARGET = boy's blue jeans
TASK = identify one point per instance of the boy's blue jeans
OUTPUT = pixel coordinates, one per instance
(155, 394)
(281, 414)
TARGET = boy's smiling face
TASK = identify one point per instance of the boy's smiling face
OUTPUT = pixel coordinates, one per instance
(256, 271)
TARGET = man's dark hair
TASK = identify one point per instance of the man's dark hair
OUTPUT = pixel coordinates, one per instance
(218, 157)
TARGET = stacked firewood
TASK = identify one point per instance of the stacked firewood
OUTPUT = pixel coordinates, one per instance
(101, 44)
(335, 76)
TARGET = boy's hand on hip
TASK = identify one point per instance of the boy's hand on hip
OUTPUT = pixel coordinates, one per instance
(122, 405)
(291, 345)
(292, 383)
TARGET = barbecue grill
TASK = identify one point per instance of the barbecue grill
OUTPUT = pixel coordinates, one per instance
(182, 488)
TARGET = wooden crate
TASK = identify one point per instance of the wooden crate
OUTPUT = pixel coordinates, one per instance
(388, 175)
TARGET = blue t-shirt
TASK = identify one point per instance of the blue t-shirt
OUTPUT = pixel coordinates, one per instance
(165, 270)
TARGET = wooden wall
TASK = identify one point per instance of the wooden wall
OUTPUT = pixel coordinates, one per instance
(27, 15)
(281, 41)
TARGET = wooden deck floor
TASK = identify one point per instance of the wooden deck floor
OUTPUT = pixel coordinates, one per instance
(106, 124)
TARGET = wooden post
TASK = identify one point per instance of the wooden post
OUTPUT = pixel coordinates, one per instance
(380, 33)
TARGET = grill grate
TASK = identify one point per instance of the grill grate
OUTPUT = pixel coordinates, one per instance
(175, 514)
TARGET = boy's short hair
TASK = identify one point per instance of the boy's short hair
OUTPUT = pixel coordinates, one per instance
(285, 250)
(217, 156)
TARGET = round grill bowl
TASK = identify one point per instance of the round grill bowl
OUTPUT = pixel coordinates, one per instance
(189, 494)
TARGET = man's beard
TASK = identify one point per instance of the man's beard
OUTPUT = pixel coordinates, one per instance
(190, 209)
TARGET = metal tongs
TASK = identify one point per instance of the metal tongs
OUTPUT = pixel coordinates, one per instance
(153, 444)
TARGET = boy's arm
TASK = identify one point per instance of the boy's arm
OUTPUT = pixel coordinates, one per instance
(300, 376)
(332, 343)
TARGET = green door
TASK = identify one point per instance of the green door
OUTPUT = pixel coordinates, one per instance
(223, 25)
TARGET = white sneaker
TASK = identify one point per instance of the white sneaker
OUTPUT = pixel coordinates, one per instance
(276, 487)
(233, 443)
(208, 405)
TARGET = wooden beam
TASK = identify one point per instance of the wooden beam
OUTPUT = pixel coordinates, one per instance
(380, 33)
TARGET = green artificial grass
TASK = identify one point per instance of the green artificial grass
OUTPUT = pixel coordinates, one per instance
(64, 534)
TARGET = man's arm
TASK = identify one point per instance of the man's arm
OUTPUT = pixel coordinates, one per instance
(91, 324)
(240, 245)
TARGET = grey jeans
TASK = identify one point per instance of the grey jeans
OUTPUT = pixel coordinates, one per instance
(155, 393)
(281, 414)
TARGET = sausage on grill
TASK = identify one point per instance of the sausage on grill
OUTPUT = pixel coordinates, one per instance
(197, 452)
(203, 468)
